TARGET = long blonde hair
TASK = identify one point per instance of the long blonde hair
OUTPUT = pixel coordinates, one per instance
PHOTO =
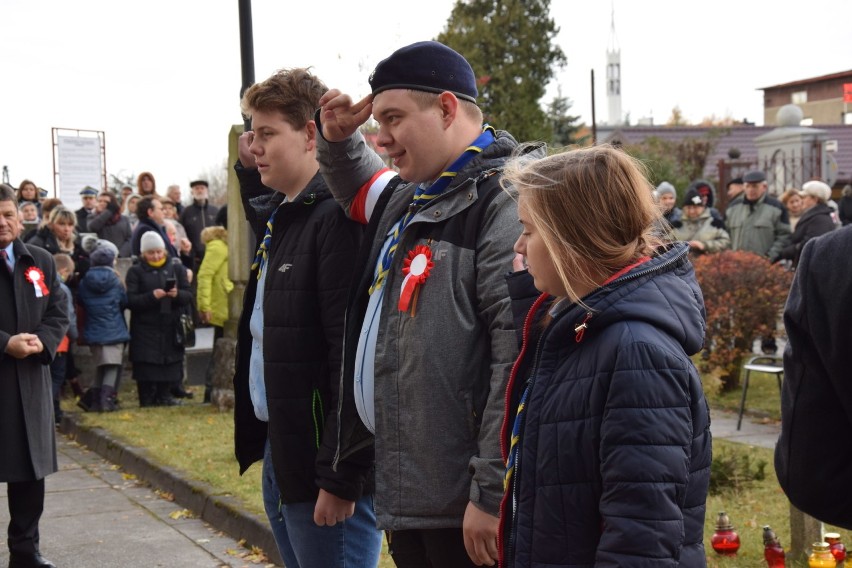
(594, 209)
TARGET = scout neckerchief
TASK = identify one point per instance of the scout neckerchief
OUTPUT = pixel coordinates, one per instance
(424, 195)
(262, 254)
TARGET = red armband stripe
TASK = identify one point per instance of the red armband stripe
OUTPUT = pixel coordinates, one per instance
(365, 200)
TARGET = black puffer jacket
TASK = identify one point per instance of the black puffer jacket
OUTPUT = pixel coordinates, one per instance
(615, 448)
(309, 269)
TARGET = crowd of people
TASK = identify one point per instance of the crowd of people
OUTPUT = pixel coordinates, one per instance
(484, 352)
(162, 238)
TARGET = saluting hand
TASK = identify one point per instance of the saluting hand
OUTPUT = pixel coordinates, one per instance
(246, 158)
(340, 118)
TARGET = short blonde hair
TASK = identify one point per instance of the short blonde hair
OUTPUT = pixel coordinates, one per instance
(593, 207)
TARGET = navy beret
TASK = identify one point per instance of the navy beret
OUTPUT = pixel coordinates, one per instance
(426, 66)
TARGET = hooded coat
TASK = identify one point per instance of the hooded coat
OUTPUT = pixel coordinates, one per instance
(615, 445)
(104, 298)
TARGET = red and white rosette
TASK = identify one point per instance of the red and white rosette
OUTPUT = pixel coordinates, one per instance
(415, 267)
(36, 277)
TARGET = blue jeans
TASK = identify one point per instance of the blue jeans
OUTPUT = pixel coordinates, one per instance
(355, 543)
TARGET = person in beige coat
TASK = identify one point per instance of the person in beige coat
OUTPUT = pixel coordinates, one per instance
(699, 228)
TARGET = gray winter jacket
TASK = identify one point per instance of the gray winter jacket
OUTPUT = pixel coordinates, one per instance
(440, 374)
(761, 227)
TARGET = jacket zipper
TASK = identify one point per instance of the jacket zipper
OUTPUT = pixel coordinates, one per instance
(506, 413)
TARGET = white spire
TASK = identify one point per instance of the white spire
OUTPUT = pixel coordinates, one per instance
(613, 77)
(612, 45)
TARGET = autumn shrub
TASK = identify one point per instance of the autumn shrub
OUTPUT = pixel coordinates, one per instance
(734, 468)
(743, 295)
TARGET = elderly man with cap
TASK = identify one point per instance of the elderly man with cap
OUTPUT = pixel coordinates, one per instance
(758, 222)
(89, 196)
(197, 216)
(430, 338)
(816, 219)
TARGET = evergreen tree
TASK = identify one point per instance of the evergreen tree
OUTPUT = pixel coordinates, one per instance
(509, 44)
(564, 127)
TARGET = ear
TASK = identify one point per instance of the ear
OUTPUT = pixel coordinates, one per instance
(449, 107)
(311, 131)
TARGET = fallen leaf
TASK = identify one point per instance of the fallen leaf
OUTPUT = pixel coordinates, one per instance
(182, 514)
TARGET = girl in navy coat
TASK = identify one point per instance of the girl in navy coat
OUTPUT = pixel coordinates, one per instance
(606, 437)
(103, 295)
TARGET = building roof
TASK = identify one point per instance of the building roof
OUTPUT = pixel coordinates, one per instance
(739, 137)
(821, 78)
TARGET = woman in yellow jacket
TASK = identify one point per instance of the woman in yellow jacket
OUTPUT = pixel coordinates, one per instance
(213, 289)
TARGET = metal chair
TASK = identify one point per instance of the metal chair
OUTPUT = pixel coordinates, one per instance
(768, 364)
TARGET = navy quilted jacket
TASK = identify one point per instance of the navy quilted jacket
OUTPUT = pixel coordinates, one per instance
(615, 452)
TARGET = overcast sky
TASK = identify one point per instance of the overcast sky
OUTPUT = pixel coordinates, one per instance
(162, 77)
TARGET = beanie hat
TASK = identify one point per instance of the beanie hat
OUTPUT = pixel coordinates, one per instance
(665, 187)
(103, 255)
(426, 66)
(705, 189)
(692, 197)
(817, 189)
(151, 241)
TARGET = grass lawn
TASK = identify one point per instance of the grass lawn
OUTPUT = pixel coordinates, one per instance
(199, 440)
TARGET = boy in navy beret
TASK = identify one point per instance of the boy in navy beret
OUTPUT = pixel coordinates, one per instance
(430, 338)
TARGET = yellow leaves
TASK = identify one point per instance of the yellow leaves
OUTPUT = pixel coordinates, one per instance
(128, 476)
(182, 514)
(164, 495)
(253, 555)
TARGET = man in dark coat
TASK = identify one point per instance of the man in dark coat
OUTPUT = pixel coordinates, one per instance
(198, 216)
(816, 401)
(33, 321)
(89, 196)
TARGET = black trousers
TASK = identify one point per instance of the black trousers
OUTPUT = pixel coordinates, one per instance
(429, 548)
(26, 503)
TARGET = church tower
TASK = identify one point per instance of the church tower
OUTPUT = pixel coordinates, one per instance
(613, 77)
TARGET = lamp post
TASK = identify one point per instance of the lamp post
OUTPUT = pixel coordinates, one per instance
(246, 51)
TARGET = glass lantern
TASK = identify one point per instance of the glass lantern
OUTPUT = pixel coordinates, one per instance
(725, 540)
(772, 550)
(821, 556)
(836, 547)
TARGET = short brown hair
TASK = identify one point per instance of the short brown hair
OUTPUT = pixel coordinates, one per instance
(426, 99)
(295, 93)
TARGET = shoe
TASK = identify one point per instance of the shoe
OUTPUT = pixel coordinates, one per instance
(29, 560)
(179, 392)
(167, 402)
(76, 388)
